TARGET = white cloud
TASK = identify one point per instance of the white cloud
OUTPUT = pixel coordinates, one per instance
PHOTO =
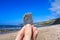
(55, 8)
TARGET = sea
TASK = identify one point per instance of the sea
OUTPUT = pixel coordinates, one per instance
(9, 28)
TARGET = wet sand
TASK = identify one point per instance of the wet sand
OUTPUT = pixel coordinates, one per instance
(45, 33)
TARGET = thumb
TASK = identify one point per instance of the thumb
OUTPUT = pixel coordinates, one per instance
(28, 32)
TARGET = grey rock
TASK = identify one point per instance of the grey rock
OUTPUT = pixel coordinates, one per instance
(28, 18)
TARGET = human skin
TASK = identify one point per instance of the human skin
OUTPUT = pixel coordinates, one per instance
(28, 32)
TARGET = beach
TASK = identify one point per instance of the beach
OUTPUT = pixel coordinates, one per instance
(45, 33)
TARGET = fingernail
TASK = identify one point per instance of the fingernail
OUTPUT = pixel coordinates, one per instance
(28, 26)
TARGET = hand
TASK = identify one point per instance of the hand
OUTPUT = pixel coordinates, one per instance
(28, 32)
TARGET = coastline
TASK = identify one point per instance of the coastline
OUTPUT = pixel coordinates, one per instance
(45, 33)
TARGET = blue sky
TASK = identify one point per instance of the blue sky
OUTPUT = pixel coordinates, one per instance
(12, 11)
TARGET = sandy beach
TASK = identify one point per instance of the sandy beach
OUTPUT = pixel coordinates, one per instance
(45, 33)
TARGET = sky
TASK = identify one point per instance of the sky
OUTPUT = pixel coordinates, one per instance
(12, 11)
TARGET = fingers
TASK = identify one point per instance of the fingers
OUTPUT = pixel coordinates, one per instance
(34, 28)
(20, 34)
(35, 33)
(28, 32)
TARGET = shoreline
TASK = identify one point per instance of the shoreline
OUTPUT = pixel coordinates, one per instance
(45, 33)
